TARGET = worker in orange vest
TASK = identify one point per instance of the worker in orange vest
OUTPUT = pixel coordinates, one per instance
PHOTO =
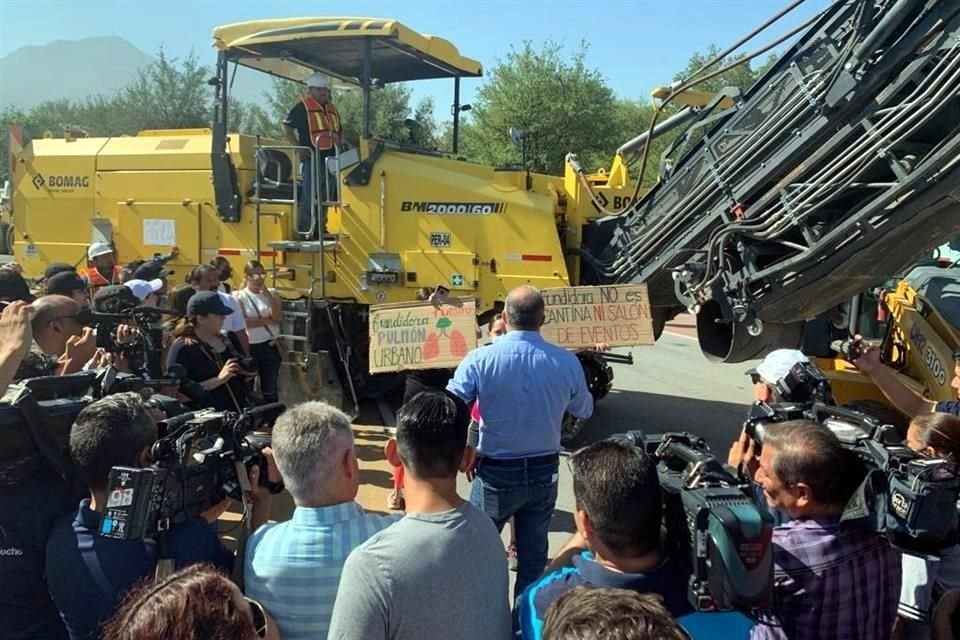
(314, 122)
(102, 268)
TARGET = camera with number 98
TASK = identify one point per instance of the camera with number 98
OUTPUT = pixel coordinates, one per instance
(200, 459)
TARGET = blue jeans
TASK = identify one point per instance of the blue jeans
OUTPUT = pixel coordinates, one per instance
(529, 494)
(306, 194)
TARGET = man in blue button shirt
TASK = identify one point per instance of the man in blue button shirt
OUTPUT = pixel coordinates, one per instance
(901, 396)
(87, 574)
(524, 386)
(293, 568)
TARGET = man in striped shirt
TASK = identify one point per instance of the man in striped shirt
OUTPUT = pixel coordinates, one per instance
(832, 579)
(293, 568)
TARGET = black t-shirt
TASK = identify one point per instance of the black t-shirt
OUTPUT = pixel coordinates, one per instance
(28, 511)
(202, 363)
(297, 119)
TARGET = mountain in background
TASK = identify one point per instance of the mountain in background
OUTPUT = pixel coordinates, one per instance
(71, 69)
(79, 69)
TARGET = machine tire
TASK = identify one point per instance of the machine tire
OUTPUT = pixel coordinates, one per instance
(599, 374)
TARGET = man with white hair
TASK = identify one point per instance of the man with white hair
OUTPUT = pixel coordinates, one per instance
(293, 568)
(313, 122)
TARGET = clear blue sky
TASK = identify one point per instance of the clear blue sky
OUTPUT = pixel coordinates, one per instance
(636, 44)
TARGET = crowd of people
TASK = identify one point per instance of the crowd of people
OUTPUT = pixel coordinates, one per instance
(439, 570)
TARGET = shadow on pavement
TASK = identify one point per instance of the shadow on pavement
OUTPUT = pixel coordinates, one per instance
(718, 422)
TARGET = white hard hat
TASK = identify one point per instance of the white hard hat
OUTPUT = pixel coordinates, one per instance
(778, 363)
(143, 288)
(318, 80)
(98, 249)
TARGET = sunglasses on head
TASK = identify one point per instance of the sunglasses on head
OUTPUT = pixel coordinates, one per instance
(259, 617)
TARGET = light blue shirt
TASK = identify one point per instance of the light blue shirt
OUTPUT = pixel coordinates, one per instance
(293, 568)
(524, 385)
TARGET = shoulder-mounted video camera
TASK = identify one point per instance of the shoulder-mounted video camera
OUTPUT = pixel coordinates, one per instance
(907, 496)
(200, 459)
(138, 344)
(38, 413)
(714, 529)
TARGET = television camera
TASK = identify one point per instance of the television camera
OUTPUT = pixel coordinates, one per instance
(906, 496)
(714, 529)
(200, 458)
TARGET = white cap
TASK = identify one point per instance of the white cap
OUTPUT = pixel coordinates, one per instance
(98, 249)
(143, 288)
(778, 363)
(318, 80)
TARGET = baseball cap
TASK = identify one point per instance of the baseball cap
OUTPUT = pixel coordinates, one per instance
(778, 363)
(151, 270)
(98, 249)
(143, 288)
(57, 267)
(65, 283)
(204, 303)
(13, 286)
(114, 298)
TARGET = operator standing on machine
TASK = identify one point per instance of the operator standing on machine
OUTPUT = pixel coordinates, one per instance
(314, 122)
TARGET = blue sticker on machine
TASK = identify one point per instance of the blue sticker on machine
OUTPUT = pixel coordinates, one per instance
(456, 279)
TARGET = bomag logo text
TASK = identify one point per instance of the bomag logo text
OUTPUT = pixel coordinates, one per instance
(61, 182)
(453, 208)
(69, 182)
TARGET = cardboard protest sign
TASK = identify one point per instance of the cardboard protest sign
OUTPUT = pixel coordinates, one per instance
(581, 317)
(422, 335)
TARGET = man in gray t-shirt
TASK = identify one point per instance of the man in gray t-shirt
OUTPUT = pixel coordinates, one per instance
(441, 572)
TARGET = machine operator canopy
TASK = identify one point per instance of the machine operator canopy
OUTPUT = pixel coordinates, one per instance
(293, 48)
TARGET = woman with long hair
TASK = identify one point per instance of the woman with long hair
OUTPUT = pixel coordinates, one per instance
(177, 300)
(263, 312)
(211, 358)
(195, 603)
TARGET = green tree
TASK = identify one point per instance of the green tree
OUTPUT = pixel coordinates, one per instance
(558, 103)
(169, 94)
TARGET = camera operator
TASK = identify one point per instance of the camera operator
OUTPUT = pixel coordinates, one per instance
(128, 352)
(831, 579)
(212, 359)
(67, 283)
(88, 574)
(618, 514)
(936, 435)
(32, 497)
(901, 396)
(59, 332)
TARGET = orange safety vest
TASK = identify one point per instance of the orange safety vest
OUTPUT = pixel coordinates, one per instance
(324, 123)
(95, 279)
